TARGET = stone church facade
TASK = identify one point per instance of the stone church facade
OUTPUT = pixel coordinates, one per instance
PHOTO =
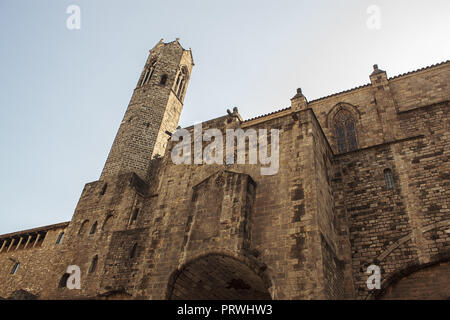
(363, 180)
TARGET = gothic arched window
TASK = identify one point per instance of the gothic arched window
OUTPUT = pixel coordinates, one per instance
(148, 72)
(180, 84)
(344, 125)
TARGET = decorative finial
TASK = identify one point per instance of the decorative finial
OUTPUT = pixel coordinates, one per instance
(177, 39)
(299, 90)
(375, 67)
(235, 114)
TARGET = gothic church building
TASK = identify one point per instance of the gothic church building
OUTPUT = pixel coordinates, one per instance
(363, 180)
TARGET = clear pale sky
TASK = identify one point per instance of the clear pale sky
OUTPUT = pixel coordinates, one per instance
(64, 92)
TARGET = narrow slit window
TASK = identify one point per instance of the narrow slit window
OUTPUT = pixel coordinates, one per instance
(63, 281)
(15, 268)
(93, 228)
(105, 186)
(148, 73)
(180, 86)
(107, 223)
(388, 177)
(163, 79)
(60, 238)
(178, 81)
(134, 215)
(145, 77)
(182, 90)
(93, 264)
(133, 251)
(83, 227)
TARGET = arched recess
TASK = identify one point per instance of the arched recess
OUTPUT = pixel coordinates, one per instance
(217, 276)
(412, 267)
(343, 122)
(429, 281)
(339, 107)
(345, 132)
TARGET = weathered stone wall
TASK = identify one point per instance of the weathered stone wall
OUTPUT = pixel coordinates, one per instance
(307, 232)
(429, 283)
(422, 88)
(374, 106)
(112, 211)
(36, 261)
(204, 209)
(394, 228)
(123, 260)
(41, 268)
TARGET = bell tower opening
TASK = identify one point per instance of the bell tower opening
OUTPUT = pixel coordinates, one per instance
(154, 109)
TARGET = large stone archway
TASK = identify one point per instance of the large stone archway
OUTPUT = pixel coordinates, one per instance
(217, 277)
(421, 283)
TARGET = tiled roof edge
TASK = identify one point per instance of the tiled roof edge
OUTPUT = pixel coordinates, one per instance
(38, 229)
(355, 88)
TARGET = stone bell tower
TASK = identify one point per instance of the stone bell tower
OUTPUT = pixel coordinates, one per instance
(154, 110)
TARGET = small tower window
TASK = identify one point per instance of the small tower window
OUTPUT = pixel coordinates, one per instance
(63, 280)
(105, 186)
(93, 228)
(163, 79)
(178, 80)
(107, 223)
(180, 87)
(133, 251)
(134, 215)
(15, 268)
(388, 177)
(345, 131)
(83, 227)
(181, 82)
(148, 73)
(93, 264)
(60, 238)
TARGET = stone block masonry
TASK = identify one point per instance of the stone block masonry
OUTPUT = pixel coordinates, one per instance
(363, 179)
